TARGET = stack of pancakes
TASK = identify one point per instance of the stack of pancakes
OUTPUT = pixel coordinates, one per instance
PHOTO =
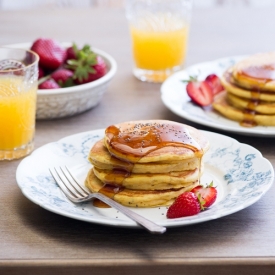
(146, 163)
(249, 95)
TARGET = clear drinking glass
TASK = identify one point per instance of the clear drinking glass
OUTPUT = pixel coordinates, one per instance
(18, 89)
(159, 33)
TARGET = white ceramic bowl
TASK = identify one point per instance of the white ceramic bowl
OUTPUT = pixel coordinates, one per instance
(63, 102)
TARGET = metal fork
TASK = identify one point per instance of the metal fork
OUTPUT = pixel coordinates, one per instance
(76, 193)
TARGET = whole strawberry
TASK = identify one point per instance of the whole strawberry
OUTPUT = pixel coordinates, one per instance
(63, 77)
(52, 54)
(87, 65)
(186, 204)
(71, 52)
(49, 84)
(99, 71)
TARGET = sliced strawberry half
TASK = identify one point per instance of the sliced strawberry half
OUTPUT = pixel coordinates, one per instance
(206, 195)
(215, 83)
(200, 92)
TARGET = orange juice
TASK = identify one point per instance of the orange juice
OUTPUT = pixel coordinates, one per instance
(17, 112)
(159, 42)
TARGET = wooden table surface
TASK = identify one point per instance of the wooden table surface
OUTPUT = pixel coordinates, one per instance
(36, 241)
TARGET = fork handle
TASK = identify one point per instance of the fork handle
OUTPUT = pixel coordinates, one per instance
(149, 225)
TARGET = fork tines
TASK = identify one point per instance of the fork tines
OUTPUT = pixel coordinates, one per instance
(76, 193)
(68, 183)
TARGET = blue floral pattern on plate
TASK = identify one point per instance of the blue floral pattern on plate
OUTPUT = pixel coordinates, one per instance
(175, 98)
(239, 171)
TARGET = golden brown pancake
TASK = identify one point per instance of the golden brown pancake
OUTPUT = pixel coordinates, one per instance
(221, 105)
(250, 91)
(148, 181)
(100, 157)
(260, 107)
(256, 72)
(231, 87)
(147, 163)
(138, 198)
(154, 141)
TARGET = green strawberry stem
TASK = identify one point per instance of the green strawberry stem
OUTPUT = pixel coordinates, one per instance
(82, 66)
(84, 62)
(191, 79)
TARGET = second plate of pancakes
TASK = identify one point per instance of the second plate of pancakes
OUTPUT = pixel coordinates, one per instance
(175, 98)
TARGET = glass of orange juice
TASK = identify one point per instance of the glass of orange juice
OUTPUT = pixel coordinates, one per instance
(18, 88)
(159, 33)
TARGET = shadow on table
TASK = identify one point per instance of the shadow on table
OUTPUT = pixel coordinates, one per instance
(87, 239)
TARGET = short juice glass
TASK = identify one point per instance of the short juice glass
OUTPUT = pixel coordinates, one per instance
(18, 91)
(159, 33)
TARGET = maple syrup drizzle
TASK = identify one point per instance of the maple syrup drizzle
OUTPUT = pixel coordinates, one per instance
(109, 191)
(248, 119)
(138, 141)
(144, 138)
(124, 166)
(264, 73)
(250, 109)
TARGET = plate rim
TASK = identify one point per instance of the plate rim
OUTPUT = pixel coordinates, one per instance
(129, 223)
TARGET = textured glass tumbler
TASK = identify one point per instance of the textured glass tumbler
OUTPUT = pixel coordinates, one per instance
(18, 91)
(159, 34)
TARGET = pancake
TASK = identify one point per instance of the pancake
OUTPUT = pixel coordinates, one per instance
(146, 163)
(231, 87)
(154, 140)
(256, 72)
(100, 157)
(147, 181)
(221, 105)
(137, 198)
(261, 107)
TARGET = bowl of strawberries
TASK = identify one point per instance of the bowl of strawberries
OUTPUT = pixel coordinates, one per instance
(72, 79)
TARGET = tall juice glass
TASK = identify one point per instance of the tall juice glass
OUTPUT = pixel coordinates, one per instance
(159, 33)
(18, 89)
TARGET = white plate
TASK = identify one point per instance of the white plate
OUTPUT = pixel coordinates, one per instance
(175, 98)
(239, 171)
